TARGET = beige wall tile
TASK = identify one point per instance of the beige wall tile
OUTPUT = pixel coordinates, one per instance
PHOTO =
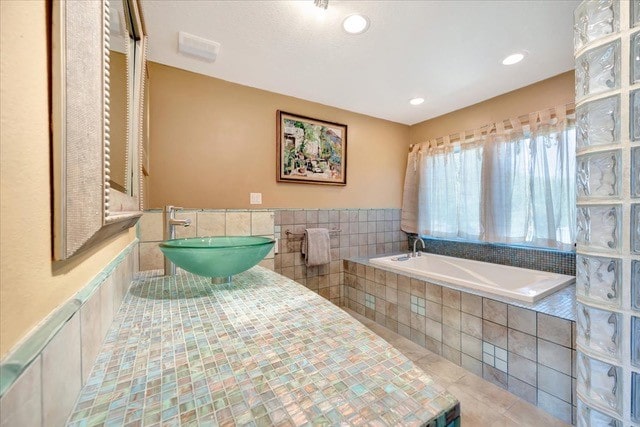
(418, 288)
(21, 405)
(494, 333)
(451, 354)
(471, 304)
(522, 319)
(554, 329)
(262, 223)
(433, 310)
(451, 298)
(91, 332)
(554, 406)
(190, 231)
(522, 368)
(404, 284)
(151, 227)
(106, 306)
(471, 364)
(554, 383)
(523, 390)
(451, 317)
(451, 338)
(61, 373)
(238, 224)
(494, 311)
(433, 293)
(267, 263)
(151, 257)
(433, 329)
(471, 346)
(522, 344)
(471, 325)
(494, 376)
(210, 224)
(554, 356)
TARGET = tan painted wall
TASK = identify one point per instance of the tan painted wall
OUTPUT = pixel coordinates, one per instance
(547, 93)
(30, 289)
(213, 142)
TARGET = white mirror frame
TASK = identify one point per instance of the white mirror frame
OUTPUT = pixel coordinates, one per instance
(86, 210)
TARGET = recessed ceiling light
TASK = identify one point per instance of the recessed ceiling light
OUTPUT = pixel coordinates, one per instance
(416, 101)
(513, 59)
(355, 24)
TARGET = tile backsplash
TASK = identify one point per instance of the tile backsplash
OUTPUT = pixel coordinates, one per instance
(354, 233)
(533, 258)
(203, 223)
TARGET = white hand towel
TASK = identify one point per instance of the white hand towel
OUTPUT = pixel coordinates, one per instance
(316, 246)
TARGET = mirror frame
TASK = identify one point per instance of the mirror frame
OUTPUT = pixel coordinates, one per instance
(86, 211)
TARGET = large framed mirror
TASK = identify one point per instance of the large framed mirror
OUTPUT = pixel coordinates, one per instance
(98, 82)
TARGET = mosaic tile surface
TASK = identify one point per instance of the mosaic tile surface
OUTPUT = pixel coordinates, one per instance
(263, 351)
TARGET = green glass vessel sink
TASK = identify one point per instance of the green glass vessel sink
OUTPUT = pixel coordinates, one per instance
(217, 257)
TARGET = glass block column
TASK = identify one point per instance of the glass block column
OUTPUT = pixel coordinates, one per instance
(607, 52)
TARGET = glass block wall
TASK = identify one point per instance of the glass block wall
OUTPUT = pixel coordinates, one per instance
(607, 52)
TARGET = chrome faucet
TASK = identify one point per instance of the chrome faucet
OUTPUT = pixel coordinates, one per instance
(170, 223)
(414, 253)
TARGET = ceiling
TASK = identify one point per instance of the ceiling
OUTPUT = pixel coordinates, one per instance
(448, 52)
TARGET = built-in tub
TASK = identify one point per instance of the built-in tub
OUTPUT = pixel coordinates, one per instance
(512, 282)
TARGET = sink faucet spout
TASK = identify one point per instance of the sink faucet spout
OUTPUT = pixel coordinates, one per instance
(170, 223)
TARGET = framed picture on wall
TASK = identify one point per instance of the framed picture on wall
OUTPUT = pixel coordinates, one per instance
(311, 151)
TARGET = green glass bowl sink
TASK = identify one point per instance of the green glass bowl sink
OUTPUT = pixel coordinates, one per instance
(219, 257)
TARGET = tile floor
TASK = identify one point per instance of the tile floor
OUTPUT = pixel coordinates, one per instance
(482, 404)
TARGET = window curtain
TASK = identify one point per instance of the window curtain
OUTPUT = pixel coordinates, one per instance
(514, 186)
(553, 177)
(449, 190)
(505, 176)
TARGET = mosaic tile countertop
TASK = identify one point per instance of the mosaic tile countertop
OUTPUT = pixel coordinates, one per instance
(262, 351)
(560, 304)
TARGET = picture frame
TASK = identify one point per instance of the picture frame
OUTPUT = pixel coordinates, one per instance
(310, 151)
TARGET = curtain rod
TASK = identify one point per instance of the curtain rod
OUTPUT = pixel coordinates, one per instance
(570, 110)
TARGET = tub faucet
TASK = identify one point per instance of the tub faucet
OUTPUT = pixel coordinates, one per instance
(414, 253)
(170, 223)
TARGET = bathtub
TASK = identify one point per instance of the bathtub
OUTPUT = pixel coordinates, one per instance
(512, 282)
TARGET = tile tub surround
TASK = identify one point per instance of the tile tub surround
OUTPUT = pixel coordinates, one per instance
(548, 260)
(42, 377)
(265, 351)
(363, 232)
(204, 223)
(514, 345)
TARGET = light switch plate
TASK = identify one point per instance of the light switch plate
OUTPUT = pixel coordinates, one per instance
(255, 198)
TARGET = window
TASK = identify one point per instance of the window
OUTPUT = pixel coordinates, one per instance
(514, 187)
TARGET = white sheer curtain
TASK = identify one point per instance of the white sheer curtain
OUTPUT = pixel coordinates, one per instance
(553, 190)
(505, 176)
(513, 186)
(449, 191)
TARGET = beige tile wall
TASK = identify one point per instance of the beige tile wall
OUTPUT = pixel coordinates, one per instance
(204, 223)
(362, 233)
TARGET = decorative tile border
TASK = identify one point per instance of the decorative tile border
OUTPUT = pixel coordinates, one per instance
(529, 353)
(43, 375)
(533, 258)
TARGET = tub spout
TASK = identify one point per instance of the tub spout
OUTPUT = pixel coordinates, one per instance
(414, 253)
